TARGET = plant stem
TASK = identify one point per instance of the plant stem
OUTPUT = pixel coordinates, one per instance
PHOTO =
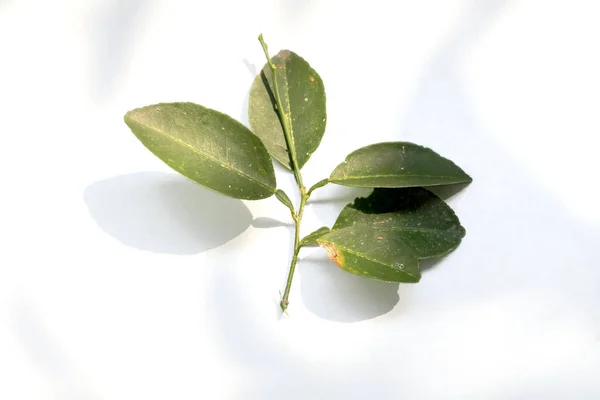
(298, 219)
(286, 125)
(284, 118)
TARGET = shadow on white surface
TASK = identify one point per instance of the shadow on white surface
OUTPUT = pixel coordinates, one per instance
(165, 213)
(336, 295)
(331, 293)
(266, 222)
(48, 355)
(250, 334)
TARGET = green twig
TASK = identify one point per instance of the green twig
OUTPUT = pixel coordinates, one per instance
(286, 122)
(298, 219)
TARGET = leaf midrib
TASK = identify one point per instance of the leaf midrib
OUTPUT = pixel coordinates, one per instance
(194, 150)
(350, 178)
(288, 116)
(411, 229)
(416, 256)
(416, 259)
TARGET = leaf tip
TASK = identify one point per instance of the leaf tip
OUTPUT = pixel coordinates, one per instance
(285, 55)
(127, 116)
(129, 119)
(133, 114)
(416, 278)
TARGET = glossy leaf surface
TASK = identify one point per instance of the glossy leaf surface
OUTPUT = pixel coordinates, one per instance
(384, 235)
(207, 147)
(396, 165)
(371, 252)
(303, 96)
(419, 218)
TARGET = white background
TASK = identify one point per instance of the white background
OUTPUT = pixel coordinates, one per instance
(121, 280)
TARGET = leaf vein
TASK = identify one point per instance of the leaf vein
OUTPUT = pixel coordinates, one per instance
(194, 150)
(376, 261)
(349, 178)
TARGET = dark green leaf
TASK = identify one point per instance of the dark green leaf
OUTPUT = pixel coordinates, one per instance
(207, 147)
(311, 238)
(421, 220)
(384, 235)
(303, 96)
(371, 252)
(397, 164)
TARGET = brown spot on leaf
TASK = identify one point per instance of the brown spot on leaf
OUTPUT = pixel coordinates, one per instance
(285, 55)
(334, 254)
(379, 237)
(312, 79)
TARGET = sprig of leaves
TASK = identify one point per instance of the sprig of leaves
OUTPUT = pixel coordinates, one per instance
(382, 236)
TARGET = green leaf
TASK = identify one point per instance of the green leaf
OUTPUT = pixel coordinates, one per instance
(303, 96)
(422, 220)
(384, 235)
(318, 185)
(374, 253)
(284, 199)
(311, 239)
(207, 147)
(396, 165)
